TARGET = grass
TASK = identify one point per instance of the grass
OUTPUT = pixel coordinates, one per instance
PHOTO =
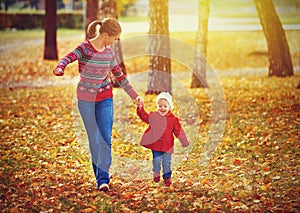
(10, 36)
(134, 19)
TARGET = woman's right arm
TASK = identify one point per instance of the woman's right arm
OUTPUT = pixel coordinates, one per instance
(67, 59)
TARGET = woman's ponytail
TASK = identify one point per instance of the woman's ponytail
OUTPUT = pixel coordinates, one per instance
(92, 28)
(110, 26)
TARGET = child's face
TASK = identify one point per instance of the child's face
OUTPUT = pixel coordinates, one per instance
(163, 106)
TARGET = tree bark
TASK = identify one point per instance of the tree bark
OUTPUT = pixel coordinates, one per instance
(92, 9)
(280, 62)
(199, 68)
(50, 48)
(159, 45)
(108, 8)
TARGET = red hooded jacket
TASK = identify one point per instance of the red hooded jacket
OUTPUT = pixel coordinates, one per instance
(159, 134)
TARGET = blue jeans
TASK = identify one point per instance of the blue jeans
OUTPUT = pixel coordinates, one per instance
(98, 120)
(164, 159)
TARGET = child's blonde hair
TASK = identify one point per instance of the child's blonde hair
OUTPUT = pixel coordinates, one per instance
(110, 26)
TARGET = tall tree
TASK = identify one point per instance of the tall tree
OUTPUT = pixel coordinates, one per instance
(199, 67)
(160, 63)
(108, 8)
(278, 49)
(50, 48)
(92, 9)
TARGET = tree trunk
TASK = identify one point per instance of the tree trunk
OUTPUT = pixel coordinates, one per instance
(160, 64)
(278, 49)
(50, 49)
(91, 14)
(199, 68)
(108, 8)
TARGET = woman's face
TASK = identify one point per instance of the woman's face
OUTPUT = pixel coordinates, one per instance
(109, 40)
(163, 106)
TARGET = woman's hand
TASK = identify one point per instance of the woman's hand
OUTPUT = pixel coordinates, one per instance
(58, 71)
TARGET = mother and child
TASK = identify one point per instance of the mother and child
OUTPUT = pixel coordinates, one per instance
(96, 60)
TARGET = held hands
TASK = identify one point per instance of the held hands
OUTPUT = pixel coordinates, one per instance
(139, 102)
(58, 71)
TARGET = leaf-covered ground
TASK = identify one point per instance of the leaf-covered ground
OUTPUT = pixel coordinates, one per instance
(45, 164)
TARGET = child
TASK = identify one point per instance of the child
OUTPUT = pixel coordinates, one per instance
(94, 91)
(159, 135)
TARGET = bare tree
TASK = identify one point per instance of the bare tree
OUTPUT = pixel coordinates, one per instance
(278, 49)
(50, 48)
(108, 8)
(199, 68)
(159, 46)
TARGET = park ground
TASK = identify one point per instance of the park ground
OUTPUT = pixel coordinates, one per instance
(45, 165)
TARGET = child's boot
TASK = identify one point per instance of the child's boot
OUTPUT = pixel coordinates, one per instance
(156, 177)
(167, 181)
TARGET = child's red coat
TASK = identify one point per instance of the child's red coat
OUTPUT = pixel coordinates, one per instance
(159, 136)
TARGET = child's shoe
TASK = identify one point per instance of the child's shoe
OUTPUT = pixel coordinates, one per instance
(156, 177)
(168, 182)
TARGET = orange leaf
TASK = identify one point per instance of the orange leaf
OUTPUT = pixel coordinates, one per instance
(237, 162)
(203, 182)
(14, 210)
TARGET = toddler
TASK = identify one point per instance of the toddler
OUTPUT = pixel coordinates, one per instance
(159, 136)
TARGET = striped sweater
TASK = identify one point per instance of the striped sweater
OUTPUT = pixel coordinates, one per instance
(94, 67)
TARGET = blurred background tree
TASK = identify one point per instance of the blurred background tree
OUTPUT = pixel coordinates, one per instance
(159, 46)
(280, 62)
(123, 6)
(108, 8)
(199, 67)
(50, 49)
(91, 14)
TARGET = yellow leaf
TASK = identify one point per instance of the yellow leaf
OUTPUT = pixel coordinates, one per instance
(203, 182)
(89, 210)
(35, 184)
(81, 161)
(263, 187)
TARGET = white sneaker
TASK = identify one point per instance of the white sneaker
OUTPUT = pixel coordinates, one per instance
(104, 187)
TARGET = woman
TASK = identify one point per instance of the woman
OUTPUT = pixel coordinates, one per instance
(94, 92)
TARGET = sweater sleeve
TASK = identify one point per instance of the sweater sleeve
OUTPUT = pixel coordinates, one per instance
(143, 114)
(180, 134)
(121, 78)
(69, 58)
(123, 82)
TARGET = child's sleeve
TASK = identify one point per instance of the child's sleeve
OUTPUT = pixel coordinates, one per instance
(180, 134)
(142, 114)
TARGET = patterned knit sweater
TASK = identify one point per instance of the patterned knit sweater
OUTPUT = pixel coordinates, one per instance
(94, 67)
